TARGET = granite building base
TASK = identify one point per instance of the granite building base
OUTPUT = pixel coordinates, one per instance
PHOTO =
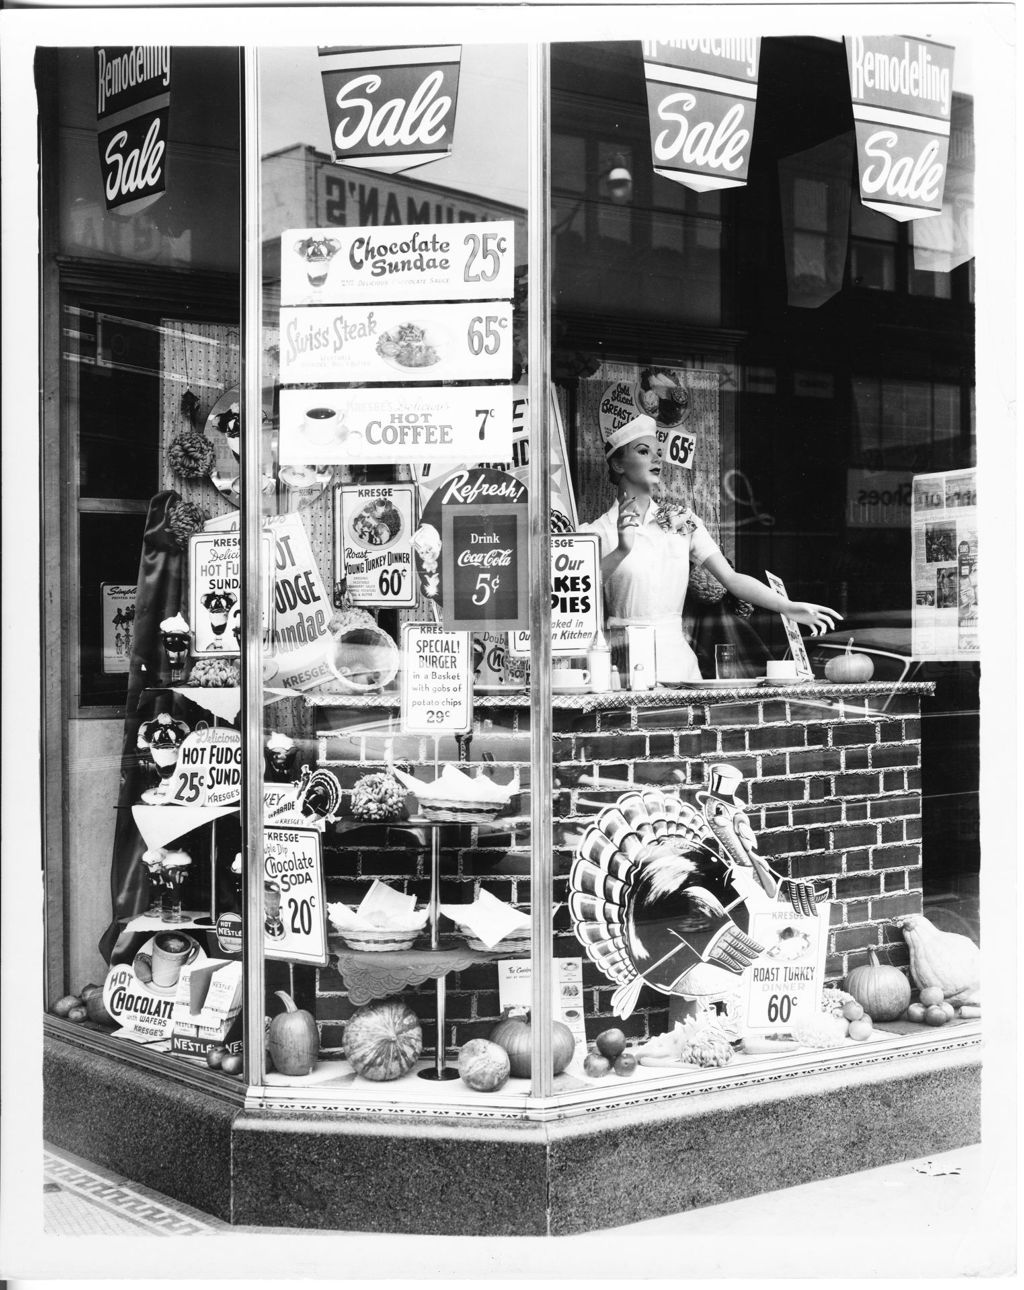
(455, 1176)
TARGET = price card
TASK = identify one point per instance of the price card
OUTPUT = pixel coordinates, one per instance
(784, 984)
(418, 342)
(575, 596)
(294, 925)
(437, 678)
(680, 448)
(796, 641)
(209, 769)
(373, 527)
(483, 566)
(399, 262)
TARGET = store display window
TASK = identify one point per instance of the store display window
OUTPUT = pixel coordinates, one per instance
(515, 614)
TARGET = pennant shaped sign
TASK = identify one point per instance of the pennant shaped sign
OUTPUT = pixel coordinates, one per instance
(701, 95)
(390, 109)
(133, 93)
(902, 93)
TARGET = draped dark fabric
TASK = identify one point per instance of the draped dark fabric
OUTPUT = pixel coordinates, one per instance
(707, 625)
(158, 596)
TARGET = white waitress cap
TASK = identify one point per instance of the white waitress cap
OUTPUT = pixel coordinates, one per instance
(639, 428)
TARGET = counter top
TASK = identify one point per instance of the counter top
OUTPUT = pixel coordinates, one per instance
(660, 697)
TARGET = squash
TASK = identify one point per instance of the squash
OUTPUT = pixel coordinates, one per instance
(881, 990)
(847, 667)
(946, 960)
(92, 997)
(483, 1065)
(383, 1039)
(293, 1039)
(513, 1034)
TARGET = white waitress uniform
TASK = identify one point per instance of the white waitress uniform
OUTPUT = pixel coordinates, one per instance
(649, 586)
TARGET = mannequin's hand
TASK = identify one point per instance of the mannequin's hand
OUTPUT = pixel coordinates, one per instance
(628, 523)
(819, 618)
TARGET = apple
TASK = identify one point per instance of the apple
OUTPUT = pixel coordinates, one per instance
(931, 995)
(215, 1056)
(625, 1064)
(861, 1028)
(935, 1015)
(610, 1043)
(596, 1066)
(916, 1013)
(852, 1010)
(232, 1063)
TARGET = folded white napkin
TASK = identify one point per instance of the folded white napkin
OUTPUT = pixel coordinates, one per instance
(489, 919)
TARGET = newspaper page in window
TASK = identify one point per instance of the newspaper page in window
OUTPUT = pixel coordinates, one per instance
(944, 530)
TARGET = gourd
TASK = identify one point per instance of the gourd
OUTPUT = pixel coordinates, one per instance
(92, 997)
(293, 1039)
(849, 666)
(944, 959)
(383, 1039)
(881, 990)
(483, 1065)
(513, 1034)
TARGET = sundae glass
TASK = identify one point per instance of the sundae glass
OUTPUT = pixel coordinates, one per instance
(167, 873)
(281, 756)
(318, 252)
(153, 859)
(272, 923)
(174, 633)
(162, 739)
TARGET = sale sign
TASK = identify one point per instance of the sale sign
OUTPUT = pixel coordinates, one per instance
(294, 926)
(902, 93)
(390, 108)
(429, 342)
(575, 596)
(782, 987)
(398, 263)
(209, 769)
(404, 425)
(701, 96)
(373, 527)
(133, 99)
(437, 678)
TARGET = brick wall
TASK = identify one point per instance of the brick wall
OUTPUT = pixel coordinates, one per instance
(834, 788)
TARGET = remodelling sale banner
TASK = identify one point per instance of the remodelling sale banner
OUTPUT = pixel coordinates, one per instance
(390, 108)
(902, 92)
(701, 96)
(133, 94)
(407, 425)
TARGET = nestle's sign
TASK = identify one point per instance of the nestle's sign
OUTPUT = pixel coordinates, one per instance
(390, 109)
(133, 103)
(902, 93)
(701, 96)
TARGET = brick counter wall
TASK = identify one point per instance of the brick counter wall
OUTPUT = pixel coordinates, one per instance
(833, 785)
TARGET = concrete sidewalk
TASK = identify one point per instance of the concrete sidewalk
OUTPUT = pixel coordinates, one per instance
(943, 1217)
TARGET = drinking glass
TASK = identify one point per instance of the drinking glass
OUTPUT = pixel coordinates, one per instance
(727, 663)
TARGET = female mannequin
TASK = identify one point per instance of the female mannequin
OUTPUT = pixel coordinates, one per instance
(646, 555)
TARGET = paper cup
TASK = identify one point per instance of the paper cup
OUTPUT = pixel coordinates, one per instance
(781, 671)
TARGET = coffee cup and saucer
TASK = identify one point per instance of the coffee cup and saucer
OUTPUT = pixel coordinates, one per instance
(323, 424)
(570, 680)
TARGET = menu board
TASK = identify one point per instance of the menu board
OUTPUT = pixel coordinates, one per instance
(944, 569)
(407, 262)
(484, 566)
(294, 926)
(401, 425)
(469, 341)
(373, 527)
(437, 677)
(796, 642)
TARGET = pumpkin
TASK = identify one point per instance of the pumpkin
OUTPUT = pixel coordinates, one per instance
(92, 997)
(383, 1039)
(849, 666)
(881, 990)
(293, 1039)
(945, 960)
(513, 1034)
(483, 1065)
